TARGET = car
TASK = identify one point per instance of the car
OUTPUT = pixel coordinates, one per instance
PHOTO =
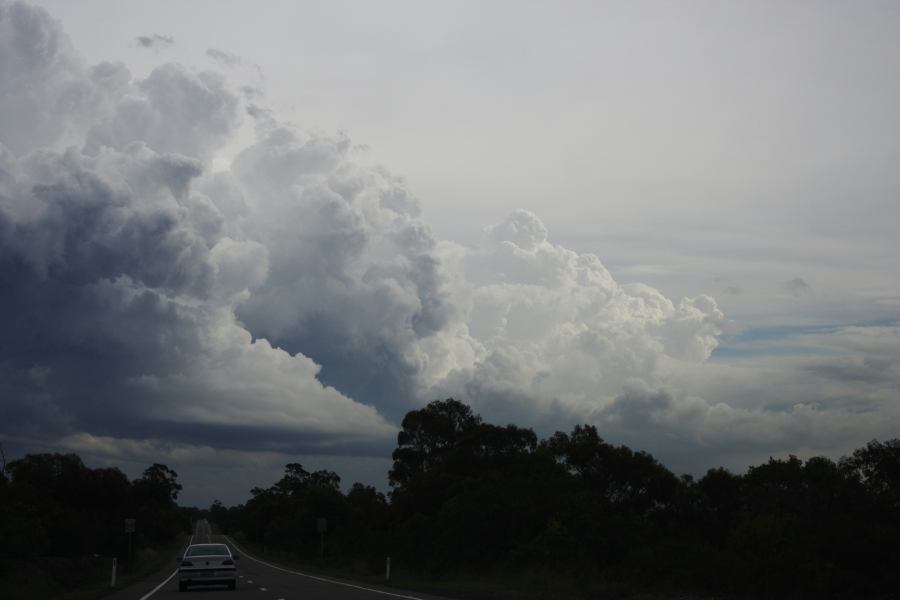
(207, 564)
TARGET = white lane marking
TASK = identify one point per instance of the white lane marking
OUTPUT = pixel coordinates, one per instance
(156, 589)
(249, 581)
(169, 578)
(349, 585)
(263, 590)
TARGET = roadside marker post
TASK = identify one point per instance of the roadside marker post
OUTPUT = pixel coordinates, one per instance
(112, 582)
(387, 569)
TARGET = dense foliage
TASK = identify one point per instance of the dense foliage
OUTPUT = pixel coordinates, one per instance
(468, 496)
(52, 505)
(471, 497)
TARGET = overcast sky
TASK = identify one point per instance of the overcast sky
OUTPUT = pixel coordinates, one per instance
(236, 235)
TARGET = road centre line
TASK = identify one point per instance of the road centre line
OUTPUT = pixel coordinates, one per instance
(326, 580)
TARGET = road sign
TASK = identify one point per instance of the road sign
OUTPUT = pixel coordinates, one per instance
(129, 525)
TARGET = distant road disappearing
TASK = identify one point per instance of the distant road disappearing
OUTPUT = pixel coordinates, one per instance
(259, 580)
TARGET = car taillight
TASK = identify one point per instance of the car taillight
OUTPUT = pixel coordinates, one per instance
(227, 561)
(187, 563)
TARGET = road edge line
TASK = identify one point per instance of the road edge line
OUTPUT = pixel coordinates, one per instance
(317, 578)
(157, 588)
(168, 579)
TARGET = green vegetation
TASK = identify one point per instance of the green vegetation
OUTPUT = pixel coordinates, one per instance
(61, 523)
(490, 511)
(484, 511)
(80, 579)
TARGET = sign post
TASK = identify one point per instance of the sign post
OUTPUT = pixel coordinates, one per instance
(129, 531)
(112, 582)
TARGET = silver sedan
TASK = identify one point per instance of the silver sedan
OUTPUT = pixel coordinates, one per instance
(207, 564)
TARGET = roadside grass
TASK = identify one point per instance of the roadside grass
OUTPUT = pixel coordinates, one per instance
(80, 579)
(534, 584)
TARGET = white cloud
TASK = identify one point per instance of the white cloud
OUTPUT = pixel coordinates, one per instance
(294, 300)
(173, 110)
(551, 327)
(45, 88)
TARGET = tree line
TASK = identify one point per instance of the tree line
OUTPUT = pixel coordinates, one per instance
(60, 519)
(471, 497)
(475, 499)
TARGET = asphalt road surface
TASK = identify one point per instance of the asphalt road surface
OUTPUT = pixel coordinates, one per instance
(259, 580)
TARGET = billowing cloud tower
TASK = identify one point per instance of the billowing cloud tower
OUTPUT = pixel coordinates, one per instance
(294, 300)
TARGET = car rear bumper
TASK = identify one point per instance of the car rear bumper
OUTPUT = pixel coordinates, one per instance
(207, 576)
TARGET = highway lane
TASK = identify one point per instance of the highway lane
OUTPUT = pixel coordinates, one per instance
(260, 580)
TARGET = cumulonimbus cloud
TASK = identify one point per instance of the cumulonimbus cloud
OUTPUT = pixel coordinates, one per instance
(295, 300)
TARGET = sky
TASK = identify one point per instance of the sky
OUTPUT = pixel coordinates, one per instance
(235, 235)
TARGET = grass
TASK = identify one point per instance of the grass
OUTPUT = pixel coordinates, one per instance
(532, 584)
(80, 579)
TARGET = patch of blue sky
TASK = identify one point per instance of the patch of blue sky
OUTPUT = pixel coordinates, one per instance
(786, 340)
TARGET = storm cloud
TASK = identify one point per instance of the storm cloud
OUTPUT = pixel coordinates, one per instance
(296, 302)
(155, 41)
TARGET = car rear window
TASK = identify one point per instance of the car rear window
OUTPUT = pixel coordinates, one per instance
(208, 550)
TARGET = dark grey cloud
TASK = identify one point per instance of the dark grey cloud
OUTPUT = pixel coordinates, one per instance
(120, 272)
(155, 41)
(356, 284)
(226, 58)
(868, 369)
(797, 287)
(297, 292)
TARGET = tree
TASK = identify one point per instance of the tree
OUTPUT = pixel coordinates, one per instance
(159, 483)
(155, 493)
(720, 503)
(877, 467)
(630, 480)
(428, 436)
(294, 480)
(3, 477)
(325, 479)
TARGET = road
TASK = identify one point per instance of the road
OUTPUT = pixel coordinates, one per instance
(259, 580)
